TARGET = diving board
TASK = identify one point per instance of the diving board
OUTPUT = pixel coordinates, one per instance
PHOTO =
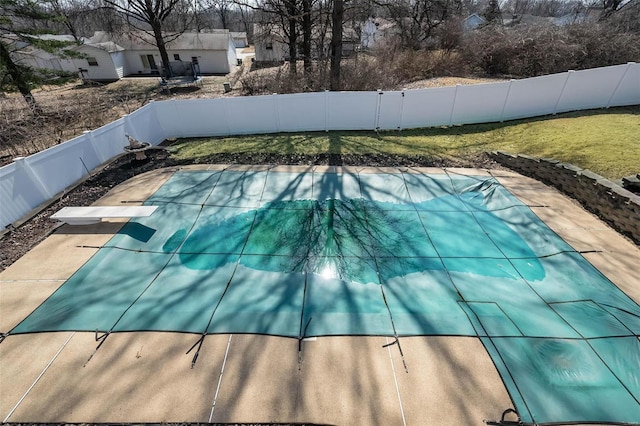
(95, 214)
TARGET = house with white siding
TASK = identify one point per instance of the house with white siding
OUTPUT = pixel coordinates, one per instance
(105, 57)
(272, 46)
(100, 62)
(214, 52)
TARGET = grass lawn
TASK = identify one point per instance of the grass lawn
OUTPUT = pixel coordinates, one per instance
(605, 141)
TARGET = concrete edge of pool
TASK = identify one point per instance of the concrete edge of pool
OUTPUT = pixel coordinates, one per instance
(146, 377)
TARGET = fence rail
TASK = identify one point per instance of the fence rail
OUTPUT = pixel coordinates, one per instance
(30, 181)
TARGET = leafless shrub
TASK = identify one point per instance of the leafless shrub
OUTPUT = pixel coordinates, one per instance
(539, 50)
(385, 69)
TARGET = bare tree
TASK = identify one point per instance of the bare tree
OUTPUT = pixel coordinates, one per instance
(155, 14)
(69, 11)
(417, 20)
(306, 35)
(221, 8)
(337, 18)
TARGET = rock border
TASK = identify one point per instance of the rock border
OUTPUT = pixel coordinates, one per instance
(615, 205)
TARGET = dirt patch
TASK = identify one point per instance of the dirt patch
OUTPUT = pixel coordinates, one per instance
(449, 81)
(20, 240)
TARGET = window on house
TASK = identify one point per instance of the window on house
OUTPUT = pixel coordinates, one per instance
(269, 46)
(145, 61)
(176, 56)
(92, 61)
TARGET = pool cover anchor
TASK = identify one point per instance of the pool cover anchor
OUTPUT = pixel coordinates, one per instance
(198, 343)
(99, 338)
(503, 421)
(397, 341)
(102, 338)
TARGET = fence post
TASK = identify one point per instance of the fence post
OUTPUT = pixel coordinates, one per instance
(453, 105)
(326, 110)
(506, 99)
(128, 129)
(22, 164)
(555, 108)
(624, 74)
(94, 145)
(401, 109)
(377, 117)
(152, 106)
(277, 111)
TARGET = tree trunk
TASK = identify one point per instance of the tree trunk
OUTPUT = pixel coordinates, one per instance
(293, 36)
(164, 56)
(337, 17)
(18, 79)
(306, 36)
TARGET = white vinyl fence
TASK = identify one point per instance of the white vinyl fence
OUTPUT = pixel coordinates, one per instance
(31, 181)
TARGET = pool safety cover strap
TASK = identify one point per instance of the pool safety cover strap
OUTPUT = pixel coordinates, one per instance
(405, 254)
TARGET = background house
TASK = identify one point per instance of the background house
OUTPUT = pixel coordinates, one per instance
(271, 44)
(214, 52)
(472, 22)
(240, 39)
(375, 30)
(105, 57)
(98, 61)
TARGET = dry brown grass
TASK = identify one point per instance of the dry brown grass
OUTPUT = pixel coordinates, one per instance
(68, 110)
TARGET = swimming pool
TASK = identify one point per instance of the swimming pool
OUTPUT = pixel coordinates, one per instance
(394, 254)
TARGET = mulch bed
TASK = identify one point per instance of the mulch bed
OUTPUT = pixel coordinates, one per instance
(23, 238)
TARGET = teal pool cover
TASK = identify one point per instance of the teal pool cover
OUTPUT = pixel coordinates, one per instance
(406, 254)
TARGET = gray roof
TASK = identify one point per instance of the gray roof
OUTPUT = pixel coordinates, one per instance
(185, 41)
(107, 46)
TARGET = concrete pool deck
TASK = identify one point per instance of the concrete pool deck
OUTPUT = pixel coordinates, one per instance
(147, 377)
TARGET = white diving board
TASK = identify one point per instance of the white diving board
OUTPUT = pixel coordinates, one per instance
(95, 214)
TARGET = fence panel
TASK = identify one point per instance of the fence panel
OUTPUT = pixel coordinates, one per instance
(110, 140)
(301, 112)
(18, 192)
(59, 167)
(252, 115)
(427, 107)
(533, 96)
(351, 110)
(143, 124)
(169, 117)
(590, 88)
(628, 92)
(390, 110)
(199, 118)
(479, 103)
